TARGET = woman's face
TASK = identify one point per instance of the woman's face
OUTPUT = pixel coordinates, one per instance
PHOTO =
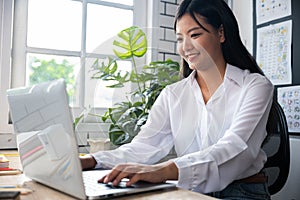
(200, 48)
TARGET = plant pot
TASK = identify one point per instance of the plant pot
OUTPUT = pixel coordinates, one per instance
(99, 144)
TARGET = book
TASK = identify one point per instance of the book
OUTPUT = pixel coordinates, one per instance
(4, 162)
(11, 195)
(9, 171)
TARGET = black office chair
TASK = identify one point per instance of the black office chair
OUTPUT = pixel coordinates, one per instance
(277, 148)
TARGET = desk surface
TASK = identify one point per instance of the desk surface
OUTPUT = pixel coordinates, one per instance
(43, 192)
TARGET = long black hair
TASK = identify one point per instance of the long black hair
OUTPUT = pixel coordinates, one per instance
(217, 13)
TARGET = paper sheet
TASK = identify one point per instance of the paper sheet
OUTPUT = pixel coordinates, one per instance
(274, 49)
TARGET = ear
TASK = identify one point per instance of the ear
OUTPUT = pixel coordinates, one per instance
(221, 33)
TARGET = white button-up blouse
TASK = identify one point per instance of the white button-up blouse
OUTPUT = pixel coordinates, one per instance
(216, 143)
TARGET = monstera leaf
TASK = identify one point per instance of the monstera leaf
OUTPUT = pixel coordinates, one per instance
(133, 43)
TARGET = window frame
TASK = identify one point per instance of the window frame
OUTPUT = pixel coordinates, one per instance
(6, 18)
(12, 72)
(20, 53)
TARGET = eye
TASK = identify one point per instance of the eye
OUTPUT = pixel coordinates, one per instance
(195, 35)
(179, 39)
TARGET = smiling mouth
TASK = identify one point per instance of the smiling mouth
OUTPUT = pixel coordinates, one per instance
(191, 56)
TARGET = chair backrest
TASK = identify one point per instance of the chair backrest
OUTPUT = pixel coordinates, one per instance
(277, 148)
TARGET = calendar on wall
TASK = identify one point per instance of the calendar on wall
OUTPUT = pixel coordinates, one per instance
(274, 52)
(289, 99)
(269, 10)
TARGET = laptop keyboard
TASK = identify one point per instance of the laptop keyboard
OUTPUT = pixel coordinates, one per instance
(91, 184)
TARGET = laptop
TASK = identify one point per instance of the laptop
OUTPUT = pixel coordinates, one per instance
(48, 147)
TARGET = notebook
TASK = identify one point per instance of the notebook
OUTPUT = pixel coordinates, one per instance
(48, 147)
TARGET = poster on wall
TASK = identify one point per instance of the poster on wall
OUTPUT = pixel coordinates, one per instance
(274, 46)
(289, 99)
(268, 10)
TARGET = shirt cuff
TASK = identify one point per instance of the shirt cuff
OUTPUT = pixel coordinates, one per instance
(98, 163)
(185, 174)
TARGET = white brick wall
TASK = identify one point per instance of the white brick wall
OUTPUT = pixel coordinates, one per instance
(170, 8)
(166, 21)
(170, 1)
(167, 39)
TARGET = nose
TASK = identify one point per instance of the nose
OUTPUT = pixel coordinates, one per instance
(187, 45)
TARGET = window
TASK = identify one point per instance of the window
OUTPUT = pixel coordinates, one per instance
(72, 33)
(62, 38)
(63, 33)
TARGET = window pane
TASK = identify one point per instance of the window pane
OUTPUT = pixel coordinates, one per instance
(41, 68)
(96, 92)
(102, 24)
(54, 24)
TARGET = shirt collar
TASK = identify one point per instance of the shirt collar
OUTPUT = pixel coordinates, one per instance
(232, 73)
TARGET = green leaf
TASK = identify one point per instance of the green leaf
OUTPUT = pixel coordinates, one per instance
(77, 120)
(116, 135)
(133, 43)
(121, 139)
(108, 71)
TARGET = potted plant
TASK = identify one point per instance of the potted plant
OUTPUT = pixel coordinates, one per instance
(127, 117)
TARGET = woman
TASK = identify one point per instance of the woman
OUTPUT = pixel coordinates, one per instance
(215, 117)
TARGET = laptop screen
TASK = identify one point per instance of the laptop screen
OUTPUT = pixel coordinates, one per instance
(36, 107)
(46, 141)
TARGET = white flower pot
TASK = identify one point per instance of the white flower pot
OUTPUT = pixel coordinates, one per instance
(99, 144)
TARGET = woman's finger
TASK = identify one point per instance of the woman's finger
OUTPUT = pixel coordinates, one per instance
(134, 178)
(101, 180)
(120, 176)
(112, 174)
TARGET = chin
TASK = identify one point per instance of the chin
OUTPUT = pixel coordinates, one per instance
(199, 67)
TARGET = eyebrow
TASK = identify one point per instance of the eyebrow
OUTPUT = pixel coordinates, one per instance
(190, 30)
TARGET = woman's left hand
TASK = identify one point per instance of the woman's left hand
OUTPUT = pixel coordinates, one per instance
(137, 172)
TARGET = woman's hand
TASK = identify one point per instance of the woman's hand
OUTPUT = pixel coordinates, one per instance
(137, 172)
(87, 162)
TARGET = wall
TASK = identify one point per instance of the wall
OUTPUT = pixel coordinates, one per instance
(243, 12)
(167, 38)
